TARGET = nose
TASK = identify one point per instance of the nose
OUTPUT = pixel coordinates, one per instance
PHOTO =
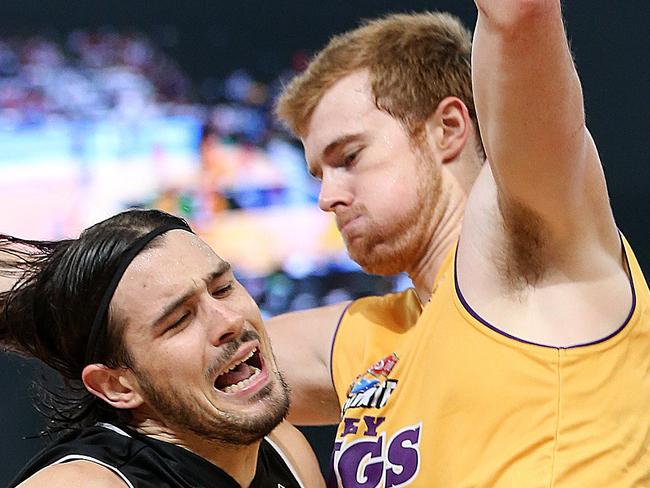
(224, 323)
(334, 191)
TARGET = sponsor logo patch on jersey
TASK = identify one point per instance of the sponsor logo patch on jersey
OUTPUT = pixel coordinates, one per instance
(373, 388)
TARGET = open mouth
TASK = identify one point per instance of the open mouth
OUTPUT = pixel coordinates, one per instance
(241, 374)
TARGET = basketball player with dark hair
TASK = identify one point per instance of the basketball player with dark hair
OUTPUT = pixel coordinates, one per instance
(169, 378)
(522, 356)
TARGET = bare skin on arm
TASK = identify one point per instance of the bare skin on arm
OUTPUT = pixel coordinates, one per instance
(74, 474)
(89, 474)
(85, 473)
(509, 242)
(300, 453)
(302, 343)
(538, 219)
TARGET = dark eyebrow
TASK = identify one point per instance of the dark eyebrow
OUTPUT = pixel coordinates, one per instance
(334, 146)
(223, 268)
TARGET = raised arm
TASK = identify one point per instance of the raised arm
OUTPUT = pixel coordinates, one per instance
(531, 115)
(302, 342)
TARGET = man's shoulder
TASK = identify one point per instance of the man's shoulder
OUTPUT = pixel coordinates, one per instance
(78, 451)
(395, 309)
(319, 316)
(296, 453)
(74, 473)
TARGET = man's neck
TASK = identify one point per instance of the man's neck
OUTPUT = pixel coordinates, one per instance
(238, 461)
(444, 234)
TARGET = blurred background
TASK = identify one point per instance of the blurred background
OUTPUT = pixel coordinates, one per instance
(109, 105)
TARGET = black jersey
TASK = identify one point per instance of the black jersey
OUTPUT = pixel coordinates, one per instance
(142, 461)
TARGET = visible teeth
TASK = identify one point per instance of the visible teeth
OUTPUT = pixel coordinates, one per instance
(243, 383)
(250, 355)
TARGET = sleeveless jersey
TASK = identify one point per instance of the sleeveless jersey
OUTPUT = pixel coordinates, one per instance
(142, 461)
(435, 397)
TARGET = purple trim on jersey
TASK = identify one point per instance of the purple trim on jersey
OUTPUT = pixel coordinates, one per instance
(474, 314)
(336, 331)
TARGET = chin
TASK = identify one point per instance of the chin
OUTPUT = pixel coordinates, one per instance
(378, 264)
(382, 269)
(389, 249)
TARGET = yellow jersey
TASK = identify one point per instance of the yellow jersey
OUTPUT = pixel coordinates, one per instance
(435, 397)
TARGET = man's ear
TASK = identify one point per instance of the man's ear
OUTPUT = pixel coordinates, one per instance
(116, 386)
(448, 128)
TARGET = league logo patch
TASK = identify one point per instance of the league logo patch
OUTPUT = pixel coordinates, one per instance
(372, 388)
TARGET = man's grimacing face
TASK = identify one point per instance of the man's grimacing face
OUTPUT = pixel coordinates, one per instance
(380, 187)
(202, 357)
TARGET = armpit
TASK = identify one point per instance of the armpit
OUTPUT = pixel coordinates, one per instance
(524, 261)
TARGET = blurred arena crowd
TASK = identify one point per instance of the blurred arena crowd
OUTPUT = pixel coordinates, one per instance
(95, 122)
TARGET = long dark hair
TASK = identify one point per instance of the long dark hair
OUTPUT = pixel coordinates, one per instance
(48, 312)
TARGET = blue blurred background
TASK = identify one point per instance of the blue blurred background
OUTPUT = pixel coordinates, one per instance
(107, 105)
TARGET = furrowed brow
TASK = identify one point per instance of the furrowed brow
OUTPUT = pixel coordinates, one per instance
(168, 309)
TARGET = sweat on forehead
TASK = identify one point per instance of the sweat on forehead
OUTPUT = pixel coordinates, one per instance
(123, 262)
(159, 251)
(178, 260)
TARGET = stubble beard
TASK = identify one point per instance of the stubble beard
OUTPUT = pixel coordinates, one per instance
(394, 247)
(176, 409)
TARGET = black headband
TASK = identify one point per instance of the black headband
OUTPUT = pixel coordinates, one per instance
(127, 256)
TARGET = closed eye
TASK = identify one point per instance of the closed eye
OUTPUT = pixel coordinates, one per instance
(222, 291)
(350, 158)
(178, 323)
